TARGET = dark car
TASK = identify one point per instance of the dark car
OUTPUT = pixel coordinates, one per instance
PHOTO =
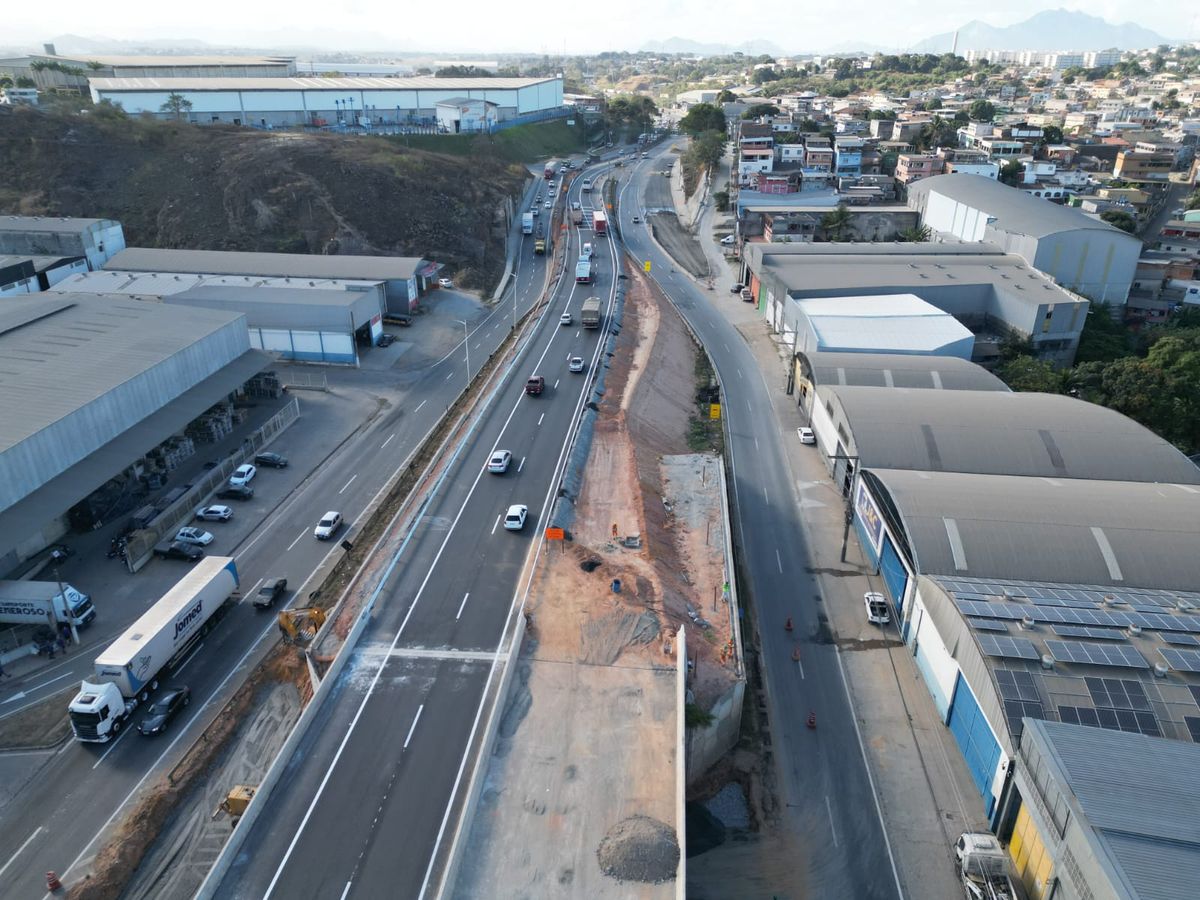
(271, 460)
(535, 385)
(164, 709)
(271, 589)
(236, 492)
(179, 550)
(385, 340)
(400, 319)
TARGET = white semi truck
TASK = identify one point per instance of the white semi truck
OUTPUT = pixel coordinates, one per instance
(527, 223)
(127, 672)
(985, 869)
(44, 603)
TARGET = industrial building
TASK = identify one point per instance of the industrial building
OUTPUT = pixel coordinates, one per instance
(404, 278)
(888, 323)
(96, 240)
(91, 388)
(994, 432)
(322, 101)
(994, 294)
(1077, 251)
(55, 71)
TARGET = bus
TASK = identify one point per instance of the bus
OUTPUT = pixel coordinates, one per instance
(583, 271)
(599, 222)
(551, 169)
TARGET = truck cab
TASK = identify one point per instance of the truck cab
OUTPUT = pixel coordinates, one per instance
(535, 385)
(98, 712)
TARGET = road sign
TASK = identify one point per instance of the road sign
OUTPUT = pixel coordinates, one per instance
(555, 534)
(714, 410)
(646, 265)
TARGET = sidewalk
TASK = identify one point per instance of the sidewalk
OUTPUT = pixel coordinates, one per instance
(923, 787)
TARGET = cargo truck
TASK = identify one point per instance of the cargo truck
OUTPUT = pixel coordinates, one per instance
(984, 868)
(44, 603)
(589, 315)
(599, 222)
(128, 671)
(583, 271)
(527, 223)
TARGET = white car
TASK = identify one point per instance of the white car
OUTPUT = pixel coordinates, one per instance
(514, 519)
(575, 365)
(445, 283)
(214, 514)
(328, 526)
(587, 251)
(575, 205)
(195, 536)
(877, 608)
(637, 220)
(243, 474)
(565, 319)
(549, 204)
(499, 462)
(728, 239)
(806, 435)
(537, 211)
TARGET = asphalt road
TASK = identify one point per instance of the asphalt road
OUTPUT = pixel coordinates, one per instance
(825, 783)
(370, 791)
(56, 822)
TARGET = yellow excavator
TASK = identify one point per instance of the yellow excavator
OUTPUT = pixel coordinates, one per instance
(301, 625)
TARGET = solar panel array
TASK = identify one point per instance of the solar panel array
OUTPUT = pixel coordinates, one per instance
(1113, 719)
(1099, 654)
(1012, 648)
(1105, 618)
(987, 625)
(1042, 593)
(1020, 696)
(1182, 660)
(1083, 631)
(1117, 693)
(1193, 724)
(1182, 640)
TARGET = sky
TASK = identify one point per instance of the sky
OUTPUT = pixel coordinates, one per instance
(490, 27)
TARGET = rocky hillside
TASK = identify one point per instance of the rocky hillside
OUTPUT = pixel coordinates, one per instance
(223, 188)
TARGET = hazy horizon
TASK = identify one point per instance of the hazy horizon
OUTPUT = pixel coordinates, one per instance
(474, 27)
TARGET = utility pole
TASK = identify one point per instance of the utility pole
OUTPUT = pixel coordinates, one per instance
(849, 513)
(57, 556)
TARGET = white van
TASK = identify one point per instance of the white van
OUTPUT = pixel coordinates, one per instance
(587, 251)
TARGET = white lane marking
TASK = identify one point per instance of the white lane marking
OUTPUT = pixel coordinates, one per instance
(765, 500)
(556, 384)
(179, 668)
(419, 405)
(347, 484)
(20, 849)
(800, 666)
(346, 890)
(779, 560)
(832, 829)
(462, 605)
(413, 727)
(449, 376)
(520, 465)
(494, 526)
(739, 371)
(250, 593)
(297, 540)
(51, 681)
(756, 442)
(542, 416)
(388, 441)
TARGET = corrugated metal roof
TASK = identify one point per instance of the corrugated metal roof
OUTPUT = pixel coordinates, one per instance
(278, 265)
(1046, 529)
(899, 370)
(426, 83)
(1013, 210)
(50, 224)
(1004, 433)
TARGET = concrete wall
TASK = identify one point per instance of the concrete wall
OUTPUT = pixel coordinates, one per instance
(705, 746)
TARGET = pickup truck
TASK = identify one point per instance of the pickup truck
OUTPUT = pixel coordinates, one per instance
(535, 385)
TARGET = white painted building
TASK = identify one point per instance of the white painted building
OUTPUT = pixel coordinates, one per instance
(462, 114)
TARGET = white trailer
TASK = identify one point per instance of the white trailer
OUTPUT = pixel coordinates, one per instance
(43, 603)
(127, 672)
(527, 223)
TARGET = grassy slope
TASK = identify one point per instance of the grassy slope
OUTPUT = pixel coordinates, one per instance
(523, 143)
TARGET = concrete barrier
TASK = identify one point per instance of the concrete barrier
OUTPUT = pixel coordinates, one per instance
(681, 761)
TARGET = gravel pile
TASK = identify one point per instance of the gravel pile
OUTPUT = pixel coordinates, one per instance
(639, 849)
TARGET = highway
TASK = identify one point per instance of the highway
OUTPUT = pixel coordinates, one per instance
(369, 796)
(57, 821)
(826, 787)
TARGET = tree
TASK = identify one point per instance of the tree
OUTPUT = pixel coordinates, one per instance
(176, 104)
(835, 224)
(1011, 172)
(918, 234)
(721, 200)
(762, 76)
(727, 96)
(934, 103)
(1118, 218)
(463, 72)
(1103, 338)
(25, 82)
(761, 109)
(1051, 134)
(1025, 373)
(981, 111)
(703, 117)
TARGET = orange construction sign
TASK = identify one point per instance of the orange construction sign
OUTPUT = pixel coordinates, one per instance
(555, 534)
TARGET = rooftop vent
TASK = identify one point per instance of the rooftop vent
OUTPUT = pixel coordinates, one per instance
(1160, 670)
(1135, 630)
(1184, 605)
(1047, 661)
(1028, 622)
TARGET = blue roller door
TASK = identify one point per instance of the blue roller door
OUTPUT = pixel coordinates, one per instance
(975, 740)
(895, 576)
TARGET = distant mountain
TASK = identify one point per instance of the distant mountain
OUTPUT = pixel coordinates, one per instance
(74, 43)
(1054, 29)
(855, 47)
(698, 48)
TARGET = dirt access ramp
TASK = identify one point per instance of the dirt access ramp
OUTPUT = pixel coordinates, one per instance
(580, 797)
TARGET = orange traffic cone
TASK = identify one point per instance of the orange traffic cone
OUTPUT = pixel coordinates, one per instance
(52, 882)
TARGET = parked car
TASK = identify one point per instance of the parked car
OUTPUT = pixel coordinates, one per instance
(576, 364)
(196, 536)
(385, 340)
(637, 220)
(328, 526)
(877, 608)
(514, 519)
(728, 239)
(243, 474)
(747, 296)
(806, 435)
(535, 385)
(269, 592)
(164, 709)
(565, 319)
(445, 283)
(214, 514)
(498, 463)
(737, 288)
(236, 492)
(271, 460)
(179, 550)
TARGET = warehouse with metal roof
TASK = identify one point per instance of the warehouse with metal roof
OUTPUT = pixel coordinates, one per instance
(1078, 251)
(96, 240)
(319, 101)
(89, 385)
(993, 293)
(404, 278)
(990, 432)
(889, 323)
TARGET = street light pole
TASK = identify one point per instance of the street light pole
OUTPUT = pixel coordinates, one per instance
(62, 591)
(467, 344)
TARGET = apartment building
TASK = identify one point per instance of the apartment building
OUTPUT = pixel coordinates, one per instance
(912, 167)
(1144, 165)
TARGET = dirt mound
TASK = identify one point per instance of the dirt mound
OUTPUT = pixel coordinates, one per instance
(172, 184)
(639, 849)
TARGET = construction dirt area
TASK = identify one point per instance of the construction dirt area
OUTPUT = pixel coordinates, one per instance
(581, 794)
